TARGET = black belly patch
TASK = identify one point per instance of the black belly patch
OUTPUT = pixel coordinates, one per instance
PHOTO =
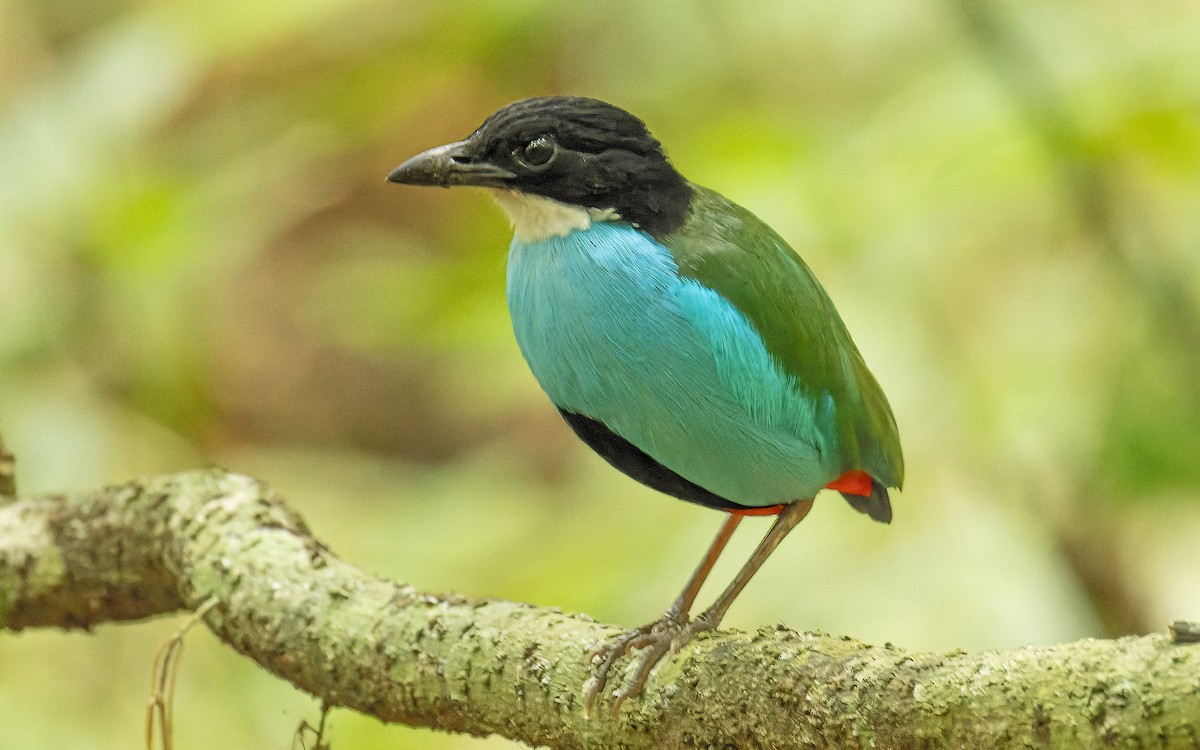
(632, 461)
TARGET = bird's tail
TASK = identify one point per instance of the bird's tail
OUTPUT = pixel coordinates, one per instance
(877, 505)
(864, 495)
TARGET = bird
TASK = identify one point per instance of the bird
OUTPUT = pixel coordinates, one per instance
(680, 337)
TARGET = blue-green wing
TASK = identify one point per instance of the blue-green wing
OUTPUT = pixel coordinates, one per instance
(729, 250)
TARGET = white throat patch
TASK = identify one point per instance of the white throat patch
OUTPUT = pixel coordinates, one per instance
(535, 218)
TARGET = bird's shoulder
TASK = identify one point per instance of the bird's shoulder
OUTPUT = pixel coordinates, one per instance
(728, 249)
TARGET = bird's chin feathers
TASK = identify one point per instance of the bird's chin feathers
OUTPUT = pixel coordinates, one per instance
(536, 218)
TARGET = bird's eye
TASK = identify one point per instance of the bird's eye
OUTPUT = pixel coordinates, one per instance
(538, 153)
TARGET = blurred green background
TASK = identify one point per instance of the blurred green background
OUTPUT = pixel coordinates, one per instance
(200, 262)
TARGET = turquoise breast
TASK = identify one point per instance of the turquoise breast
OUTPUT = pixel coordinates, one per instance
(612, 332)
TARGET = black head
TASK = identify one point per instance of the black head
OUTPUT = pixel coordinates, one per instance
(580, 151)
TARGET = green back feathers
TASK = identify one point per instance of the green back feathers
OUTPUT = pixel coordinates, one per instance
(728, 249)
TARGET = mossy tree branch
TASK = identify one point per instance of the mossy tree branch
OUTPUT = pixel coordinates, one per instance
(482, 666)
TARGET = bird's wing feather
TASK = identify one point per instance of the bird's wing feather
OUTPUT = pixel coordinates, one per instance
(727, 249)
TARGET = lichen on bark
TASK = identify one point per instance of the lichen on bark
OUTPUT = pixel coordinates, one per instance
(483, 666)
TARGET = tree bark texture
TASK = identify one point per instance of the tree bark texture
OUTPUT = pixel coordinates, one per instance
(483, 666)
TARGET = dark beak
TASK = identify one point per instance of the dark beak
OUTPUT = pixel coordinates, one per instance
(449, 165)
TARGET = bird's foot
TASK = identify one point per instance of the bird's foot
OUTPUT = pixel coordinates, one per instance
(655, 640)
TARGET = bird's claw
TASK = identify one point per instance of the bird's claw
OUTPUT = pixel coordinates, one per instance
(655, 640)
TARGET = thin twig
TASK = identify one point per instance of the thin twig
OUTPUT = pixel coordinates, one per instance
(300, 740)
(8, 475)
(160, 710)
